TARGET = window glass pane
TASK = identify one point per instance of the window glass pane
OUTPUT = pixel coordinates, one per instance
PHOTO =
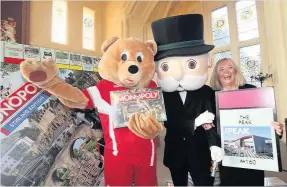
(220, 27)
(250, 62)
(221, 55)
(88, 29)
(59, 20)
(247, 24)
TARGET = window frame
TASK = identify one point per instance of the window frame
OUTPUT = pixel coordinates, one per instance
(235, 44)
(65, 41)
(94, 29)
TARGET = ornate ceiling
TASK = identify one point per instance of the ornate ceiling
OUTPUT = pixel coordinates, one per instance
(144, 9)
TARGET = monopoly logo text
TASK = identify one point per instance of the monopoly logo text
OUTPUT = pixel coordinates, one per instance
(139, 96)
(17, 100)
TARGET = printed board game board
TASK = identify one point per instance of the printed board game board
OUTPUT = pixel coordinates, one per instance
(44, 143)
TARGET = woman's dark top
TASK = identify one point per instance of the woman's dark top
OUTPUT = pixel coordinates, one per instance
(230, 176)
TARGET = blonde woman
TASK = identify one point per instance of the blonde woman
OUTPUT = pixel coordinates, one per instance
(227, 76)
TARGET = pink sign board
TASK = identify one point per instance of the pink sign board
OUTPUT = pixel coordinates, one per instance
(247, 137)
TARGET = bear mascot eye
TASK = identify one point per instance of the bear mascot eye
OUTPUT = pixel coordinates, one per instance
(139, 57)
(124, 56)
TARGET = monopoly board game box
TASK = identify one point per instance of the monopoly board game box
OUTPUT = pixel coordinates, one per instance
(128, 102)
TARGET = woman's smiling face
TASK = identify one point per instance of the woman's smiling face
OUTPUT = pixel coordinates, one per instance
(227, 73)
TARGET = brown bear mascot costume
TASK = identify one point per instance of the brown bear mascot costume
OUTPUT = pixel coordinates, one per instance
(182, 63)
(130, 153)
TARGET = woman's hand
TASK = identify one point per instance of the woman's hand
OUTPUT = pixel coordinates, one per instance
(278, 127)
(208, 126)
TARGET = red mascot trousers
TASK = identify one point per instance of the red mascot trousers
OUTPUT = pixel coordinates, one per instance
(119, 172)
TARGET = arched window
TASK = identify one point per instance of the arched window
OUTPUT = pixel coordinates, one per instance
(88, 29)
(59, 21)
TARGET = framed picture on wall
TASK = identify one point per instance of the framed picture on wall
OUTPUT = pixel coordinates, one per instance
(15, 21)
(247, 137)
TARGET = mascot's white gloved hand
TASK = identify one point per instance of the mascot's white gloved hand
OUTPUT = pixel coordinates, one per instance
(205, 117)
(216, 153)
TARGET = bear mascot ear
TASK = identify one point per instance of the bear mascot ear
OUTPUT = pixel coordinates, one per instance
(107, 43)
(152, 46)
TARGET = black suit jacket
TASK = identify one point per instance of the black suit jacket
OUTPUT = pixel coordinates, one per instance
(183, 145)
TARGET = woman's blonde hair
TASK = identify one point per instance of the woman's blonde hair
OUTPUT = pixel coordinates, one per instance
(215, 80)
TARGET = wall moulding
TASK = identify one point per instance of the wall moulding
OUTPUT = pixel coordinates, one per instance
(124, 27)
(151, 6)
(128, 7)
(168, 7)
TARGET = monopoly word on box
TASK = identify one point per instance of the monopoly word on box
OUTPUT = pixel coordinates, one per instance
(129, 102)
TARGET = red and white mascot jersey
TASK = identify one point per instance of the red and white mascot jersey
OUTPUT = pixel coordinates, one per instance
(126, 156)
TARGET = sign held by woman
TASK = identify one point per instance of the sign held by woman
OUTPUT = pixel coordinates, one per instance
(248, 139)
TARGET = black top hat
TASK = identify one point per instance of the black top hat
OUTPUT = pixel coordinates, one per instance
(180, 36)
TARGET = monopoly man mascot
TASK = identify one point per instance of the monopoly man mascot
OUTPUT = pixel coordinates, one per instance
(128, 63)
(182, 64)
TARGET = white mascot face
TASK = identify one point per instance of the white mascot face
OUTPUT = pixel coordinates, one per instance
(184, 73)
